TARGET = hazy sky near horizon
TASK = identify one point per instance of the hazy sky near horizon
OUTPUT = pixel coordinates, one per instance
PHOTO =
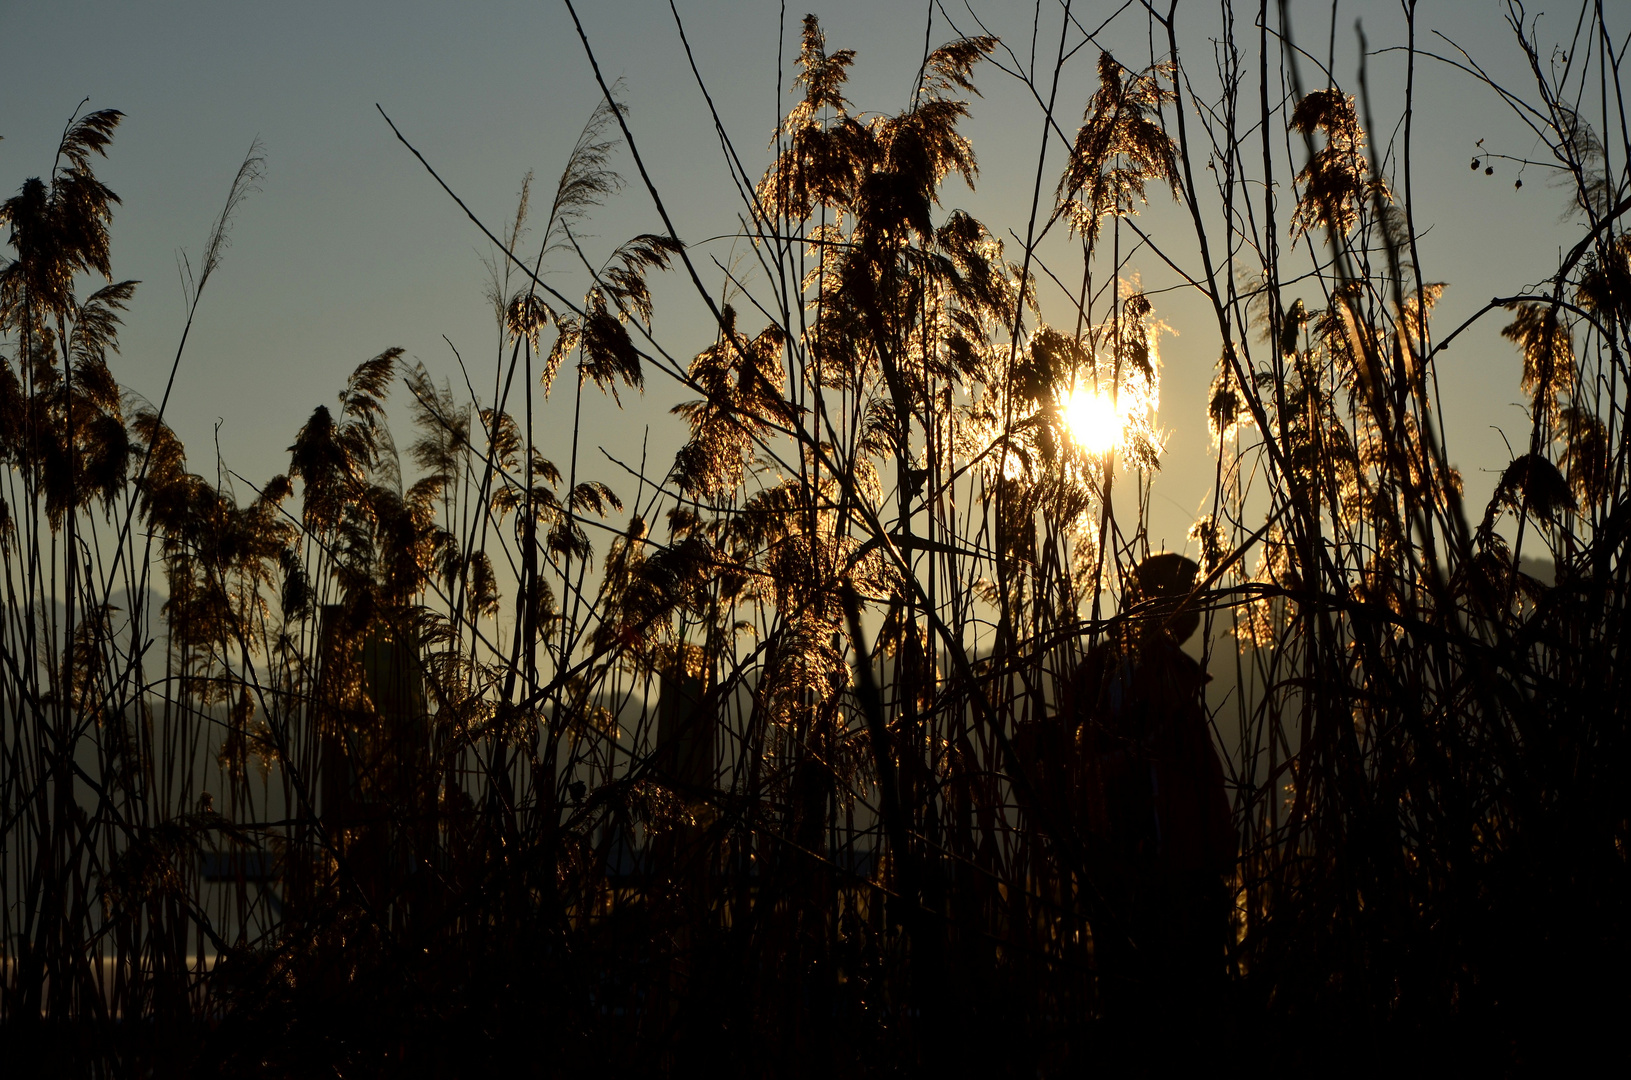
(350, 248)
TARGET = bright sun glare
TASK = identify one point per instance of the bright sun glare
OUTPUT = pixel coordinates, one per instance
(1094, 421)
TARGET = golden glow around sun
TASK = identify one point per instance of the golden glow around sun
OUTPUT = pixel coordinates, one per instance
(1095, 422)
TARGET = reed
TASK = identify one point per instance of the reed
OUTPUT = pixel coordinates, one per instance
(782, 765)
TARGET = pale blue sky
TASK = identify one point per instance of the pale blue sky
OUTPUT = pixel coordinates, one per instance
(350, 248)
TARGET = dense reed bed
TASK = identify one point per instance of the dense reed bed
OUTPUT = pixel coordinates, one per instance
(450, 757)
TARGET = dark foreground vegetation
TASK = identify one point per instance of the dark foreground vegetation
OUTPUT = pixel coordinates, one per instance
(449, 760)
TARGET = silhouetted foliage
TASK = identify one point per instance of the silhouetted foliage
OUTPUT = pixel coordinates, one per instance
(444, 766)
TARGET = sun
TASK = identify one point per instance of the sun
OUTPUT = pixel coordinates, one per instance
(1094, 421)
